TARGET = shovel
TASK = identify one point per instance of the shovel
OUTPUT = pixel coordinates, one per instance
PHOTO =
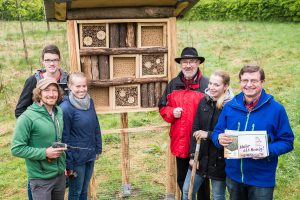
(195, 164)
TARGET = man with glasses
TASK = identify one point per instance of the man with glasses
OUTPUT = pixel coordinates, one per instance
(178, 106)
(50, 61)
(253, 110)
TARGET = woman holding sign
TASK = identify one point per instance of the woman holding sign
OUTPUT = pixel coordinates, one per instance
(211, 159)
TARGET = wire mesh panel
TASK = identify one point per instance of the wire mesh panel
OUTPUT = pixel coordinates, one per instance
(152, 35)
(100, 96)
(124, 66)
(153, 65)
(93, 35)
(127, 96)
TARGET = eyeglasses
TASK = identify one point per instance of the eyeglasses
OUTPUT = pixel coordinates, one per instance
(48, 61)
(252, 81)
(189, 62)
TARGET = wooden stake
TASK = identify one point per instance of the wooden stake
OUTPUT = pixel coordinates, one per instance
(123, 34)
(95, 68)
(144, 95)
(125, 155)
(131, 35)
(86, 64)
(151, 95)
(195, 164)
(157, 92)
(114, 37)
(171, 175)
(104, 67)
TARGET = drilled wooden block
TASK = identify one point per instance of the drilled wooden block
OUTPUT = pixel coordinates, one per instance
(127, 96)
(124, 66)
(152, 35)
(100, 96)
(94, 35)
(153, 65)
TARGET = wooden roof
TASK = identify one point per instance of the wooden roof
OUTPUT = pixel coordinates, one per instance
(61, 10)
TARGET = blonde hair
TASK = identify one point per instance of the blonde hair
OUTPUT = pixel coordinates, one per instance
(226, 81)
(75, 75)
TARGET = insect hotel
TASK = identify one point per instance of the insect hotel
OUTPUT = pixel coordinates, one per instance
(126, 48)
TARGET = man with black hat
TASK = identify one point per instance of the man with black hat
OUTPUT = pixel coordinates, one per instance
(36, 130)
(178, 106)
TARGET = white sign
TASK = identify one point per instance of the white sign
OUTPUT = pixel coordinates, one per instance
(247, 144)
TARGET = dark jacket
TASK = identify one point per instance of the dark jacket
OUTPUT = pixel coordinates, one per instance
(178, 95)
(81, 129)
(25, 99)
(268, 115)
(211, 159)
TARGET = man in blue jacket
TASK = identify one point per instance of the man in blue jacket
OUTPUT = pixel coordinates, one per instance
(254, 110)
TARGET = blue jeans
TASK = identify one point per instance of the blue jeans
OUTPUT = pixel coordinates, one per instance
(29, 190)
(78, 186)
(240, 191)
(218, 187)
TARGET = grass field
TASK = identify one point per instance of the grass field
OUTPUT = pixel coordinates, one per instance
(225, 45)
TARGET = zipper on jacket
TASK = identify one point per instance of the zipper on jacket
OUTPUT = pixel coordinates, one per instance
(247, 119)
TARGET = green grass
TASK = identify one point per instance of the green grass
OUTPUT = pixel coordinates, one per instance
(225, 45)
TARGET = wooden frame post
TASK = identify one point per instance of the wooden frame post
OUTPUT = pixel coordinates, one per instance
(125, 156)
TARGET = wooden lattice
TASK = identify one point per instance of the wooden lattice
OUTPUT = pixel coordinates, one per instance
(100, 96)
(127, 96)
(123, 66)
(153, 65)
(93, 35)
(152, 35)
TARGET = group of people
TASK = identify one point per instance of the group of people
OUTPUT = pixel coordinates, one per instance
(57, 131)
(55, 108)
(202, 109)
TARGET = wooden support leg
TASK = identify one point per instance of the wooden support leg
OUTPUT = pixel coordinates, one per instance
(92, 188)
(125, 156)
(171, 176)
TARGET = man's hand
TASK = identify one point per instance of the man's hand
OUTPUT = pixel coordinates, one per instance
(177, 112)
(54, 152)
(224, 139)
(200, 134)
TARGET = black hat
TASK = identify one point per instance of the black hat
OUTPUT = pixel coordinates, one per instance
(190, 52)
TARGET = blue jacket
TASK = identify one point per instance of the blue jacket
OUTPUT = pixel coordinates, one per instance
(267, 115)
(81, 129)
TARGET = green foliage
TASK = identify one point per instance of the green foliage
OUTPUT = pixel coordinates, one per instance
(111, 139)
(246, 10)
(156, 149)
(29, 10)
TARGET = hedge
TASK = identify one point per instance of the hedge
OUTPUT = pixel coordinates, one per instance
(246, 10)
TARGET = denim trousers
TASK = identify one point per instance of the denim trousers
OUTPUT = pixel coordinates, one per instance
(240, 191)
(218, 187)
(78, 186)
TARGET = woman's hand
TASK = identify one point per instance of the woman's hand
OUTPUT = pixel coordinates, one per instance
(200, 134)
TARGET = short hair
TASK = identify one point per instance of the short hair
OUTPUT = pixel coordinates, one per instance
(50, 49)
(36, 94)
(72, 75)
(251, 68)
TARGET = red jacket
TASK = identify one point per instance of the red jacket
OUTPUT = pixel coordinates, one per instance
(188, 98)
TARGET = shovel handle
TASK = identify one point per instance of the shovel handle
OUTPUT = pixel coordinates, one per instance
(192, 180)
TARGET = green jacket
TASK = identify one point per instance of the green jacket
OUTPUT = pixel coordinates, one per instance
(34, 132)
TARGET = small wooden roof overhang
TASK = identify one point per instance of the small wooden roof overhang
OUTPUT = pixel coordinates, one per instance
(62, 10)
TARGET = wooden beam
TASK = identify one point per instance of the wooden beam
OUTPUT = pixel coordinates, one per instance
(124, 81)
(122, 13)
(118, 51)
(72, 44)
(138, 129)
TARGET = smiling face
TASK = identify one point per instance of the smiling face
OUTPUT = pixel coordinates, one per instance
(78, 87)
(251, 85)
(189, 67)
(51, 62)
(49, 96)
(216, 86)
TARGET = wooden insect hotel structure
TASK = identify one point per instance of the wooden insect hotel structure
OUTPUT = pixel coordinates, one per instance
(126, 48)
